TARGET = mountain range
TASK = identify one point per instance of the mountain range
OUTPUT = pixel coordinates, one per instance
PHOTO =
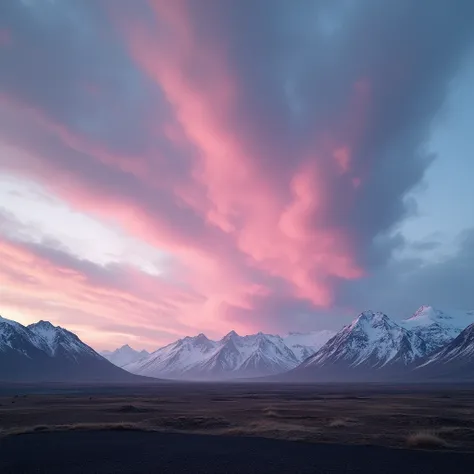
(372, 347)
(431, 345)
(233, 356)
(375, 348)
(42, 352)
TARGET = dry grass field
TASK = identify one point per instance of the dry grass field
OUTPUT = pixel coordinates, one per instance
(418, 417)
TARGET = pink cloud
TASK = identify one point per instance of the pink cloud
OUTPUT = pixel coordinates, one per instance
(41, 282)
(234, 225)
(243, 201)
(205, 270)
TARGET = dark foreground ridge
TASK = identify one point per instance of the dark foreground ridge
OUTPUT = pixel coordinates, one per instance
(139, 452)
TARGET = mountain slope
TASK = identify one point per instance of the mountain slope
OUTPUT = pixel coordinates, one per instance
(173, 360)
(124, 355)
(436, 327)
(455, 361)
(270, 355)
(42, 352)
(371, 347)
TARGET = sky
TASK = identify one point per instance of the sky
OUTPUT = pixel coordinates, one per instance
(169, 168)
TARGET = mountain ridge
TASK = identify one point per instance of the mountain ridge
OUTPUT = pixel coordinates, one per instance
(233, 356)
(42, 352)
(454, 361)
(371, 346)
(429, 344)
(393, 350)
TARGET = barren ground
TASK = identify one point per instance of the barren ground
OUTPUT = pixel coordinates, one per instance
(440, 417)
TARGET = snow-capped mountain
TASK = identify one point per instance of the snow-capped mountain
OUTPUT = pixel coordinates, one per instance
(437, 327)
(247, 356)
(15, 336)
(43, 352)
(22, 353)
(368, 347)
(233, 356)
(304, 345)
(61, 342)
(175, 359)
(454, 361)
(124, 355)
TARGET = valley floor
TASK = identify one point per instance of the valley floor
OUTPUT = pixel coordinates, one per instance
(440, 417)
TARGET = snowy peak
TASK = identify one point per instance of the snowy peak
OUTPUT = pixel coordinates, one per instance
(125, 347)
(370, 319)
(427, 314)
(373, 327)
(202, 341)
(60, 341)
(43, 352)
(230, 336)
(372, 340)
(436, 327)
(15, 336)
(44, 324)
(270, 355)
(45, 330)
(175, 359)
(124, 355)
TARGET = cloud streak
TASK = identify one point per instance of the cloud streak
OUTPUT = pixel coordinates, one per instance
(45, 279)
